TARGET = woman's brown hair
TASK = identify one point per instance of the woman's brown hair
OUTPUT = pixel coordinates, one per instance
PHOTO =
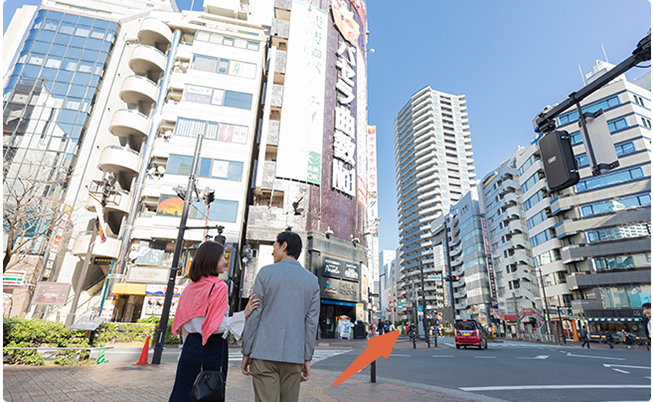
(206, 261)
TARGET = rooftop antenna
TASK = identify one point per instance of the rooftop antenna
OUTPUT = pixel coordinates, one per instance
(582, 77)
(604, 54)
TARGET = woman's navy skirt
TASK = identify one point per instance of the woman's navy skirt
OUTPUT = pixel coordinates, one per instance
(216, 357)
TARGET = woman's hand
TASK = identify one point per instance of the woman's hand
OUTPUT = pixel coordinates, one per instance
(252, 305)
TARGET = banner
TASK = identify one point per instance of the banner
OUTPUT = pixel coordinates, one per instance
(299, 154)
(372, 180)
(100, 221)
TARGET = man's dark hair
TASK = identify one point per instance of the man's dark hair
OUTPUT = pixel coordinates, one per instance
(206, 261)
(646, 305)
(293, 243)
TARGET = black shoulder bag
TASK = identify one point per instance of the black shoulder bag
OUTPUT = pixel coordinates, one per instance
(209, 385)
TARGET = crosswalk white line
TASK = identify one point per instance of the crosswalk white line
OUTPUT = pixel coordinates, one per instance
(318, 356)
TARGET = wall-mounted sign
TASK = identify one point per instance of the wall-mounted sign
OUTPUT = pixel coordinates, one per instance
(351, 272)
(338, 289)
(148, 274)
(13, 278)
(332, 268)
(344, 20)
(360, 312)
(169, 205)
(160, 290)
(52, 293)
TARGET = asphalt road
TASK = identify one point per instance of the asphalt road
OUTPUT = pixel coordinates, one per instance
(517, 371)
(510, 371)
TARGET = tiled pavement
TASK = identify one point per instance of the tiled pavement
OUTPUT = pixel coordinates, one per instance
(117, 382)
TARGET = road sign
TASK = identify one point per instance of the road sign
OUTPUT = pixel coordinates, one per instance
(420, 313)
(420, 309)
(434, 278)
(399, 304)
(495, 303)
(391, 304)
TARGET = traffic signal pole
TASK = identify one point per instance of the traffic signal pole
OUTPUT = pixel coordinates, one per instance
(426, 332)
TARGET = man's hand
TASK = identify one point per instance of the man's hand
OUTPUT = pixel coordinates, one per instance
(246, 365)
(306, 370)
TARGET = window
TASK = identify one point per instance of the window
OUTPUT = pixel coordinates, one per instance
(547, 257)
(573, 116)
(193, 93)
(528, 164)
(224, 66)
(625, 148)
(197, 94)
(530, 203)
(221, 210)
(238, 100)
(639, 100)
(582, 160)
(618, 233)
(179, 164)
(646, 122)
(537, 219)
(53, 62)
(615, 205)
(624, 261)
(214, 131)
(221, 169)
(625, 297)
(82, 31)
(472, 248)
(205, 63)
(36, 59)
(542, 237)
(530, 181)
(609, 179)
(617, 125)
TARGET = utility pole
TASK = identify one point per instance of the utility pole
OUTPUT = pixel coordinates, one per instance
(188, 200)
(107, 187)
(426, 332)
(514, 300)
(562, 327)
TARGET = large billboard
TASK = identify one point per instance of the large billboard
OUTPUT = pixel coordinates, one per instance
(299, 154)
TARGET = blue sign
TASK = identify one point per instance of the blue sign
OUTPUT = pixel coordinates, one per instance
(399, 304)
(420, 308)
(495, 303)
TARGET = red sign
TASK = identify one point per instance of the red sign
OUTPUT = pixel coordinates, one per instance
(52, 293)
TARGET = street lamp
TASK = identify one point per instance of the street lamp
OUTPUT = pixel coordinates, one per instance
(546, 302)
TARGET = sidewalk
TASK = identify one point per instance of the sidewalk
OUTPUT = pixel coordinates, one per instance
(122, 382)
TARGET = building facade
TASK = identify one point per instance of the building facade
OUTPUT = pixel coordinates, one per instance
(434, 168)
(517, 284)
(593, 240)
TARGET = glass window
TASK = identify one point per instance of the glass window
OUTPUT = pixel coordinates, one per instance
(76, 91)
(218, 97)
(51, 25)
(41, 47)
(38, 23)
(101, 24)
(224, 211)
(57, 50)
(205, 167)
(240, 43)
(94, 44)
(31, 71)
(36, 59)
(49, 73)
(227, 170)
(205, 63)
(252, 45)
(67, 117)
(73, 103)
(238, 100)
(45, 36)
(62, 39)
(23, 57)
(535, 177)
(82, 78)
(179, 164)
(90, 55)
(55, 15)
(66, 28)
(215, 39)
(202, 36)
(582, 160)
(609, 179)
(193, 93)
(625, 148)
(70, 64)
(82, 31)
(617, 125)
(74, 53)
(85, 21)
(223, 66)
(78, 42)
(85, 67)
(65, 76)
(98, 34)
(72, 18)
(228, 41)
(188, 127)
(109, 37)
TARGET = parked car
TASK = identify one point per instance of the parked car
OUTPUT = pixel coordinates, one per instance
(469, 333)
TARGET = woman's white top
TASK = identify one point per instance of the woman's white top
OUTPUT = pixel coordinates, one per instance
(234, 324)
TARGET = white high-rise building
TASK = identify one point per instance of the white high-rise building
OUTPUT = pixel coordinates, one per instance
(434, 168)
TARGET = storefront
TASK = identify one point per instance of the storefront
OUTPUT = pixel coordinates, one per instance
(339, 292)
(599, 326)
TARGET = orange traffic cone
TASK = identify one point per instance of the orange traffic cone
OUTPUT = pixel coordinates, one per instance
(142, 361)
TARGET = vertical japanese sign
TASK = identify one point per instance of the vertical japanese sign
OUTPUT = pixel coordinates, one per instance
(486, 240)
(299, 154)
(372, 199)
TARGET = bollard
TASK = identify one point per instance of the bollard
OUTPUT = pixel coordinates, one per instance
(414, 341)
(373, 372)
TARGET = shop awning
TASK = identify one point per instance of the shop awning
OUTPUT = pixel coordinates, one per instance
(613, 319)
(129, 289)
(338, 303)
(508, 317)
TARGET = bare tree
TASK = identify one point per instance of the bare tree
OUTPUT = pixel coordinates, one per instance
(32, 208)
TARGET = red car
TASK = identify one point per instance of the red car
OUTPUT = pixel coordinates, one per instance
(469, 333)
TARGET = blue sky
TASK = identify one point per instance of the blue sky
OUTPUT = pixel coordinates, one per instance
(510, 58)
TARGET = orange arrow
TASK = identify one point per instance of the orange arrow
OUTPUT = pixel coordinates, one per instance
(378, 346)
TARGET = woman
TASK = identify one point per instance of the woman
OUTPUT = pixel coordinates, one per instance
(202, 317)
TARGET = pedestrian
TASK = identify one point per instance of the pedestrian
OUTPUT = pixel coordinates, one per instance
(626, 338)
(609, 339)
(379, 327)
(585, 336)
(279, 337)
(412, 329)
(203, 320)
(646, 308)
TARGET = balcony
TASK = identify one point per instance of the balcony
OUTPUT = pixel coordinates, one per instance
(154, 32)
(119, 159)
(136, 89)
(580, 252)
(511, 198)
(146, 59)
(109, 249)
(116, 203)
(129, 122)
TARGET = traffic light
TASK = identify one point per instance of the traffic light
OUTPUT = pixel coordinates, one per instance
(452, 278)
(209, 196)
(558, 159)
(569, 312)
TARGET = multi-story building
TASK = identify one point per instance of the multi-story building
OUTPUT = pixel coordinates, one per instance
(463, 252)
(517, 284)
(593, 240)
(434, 168)
(386, 277)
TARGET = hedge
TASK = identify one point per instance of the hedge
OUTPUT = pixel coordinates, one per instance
(20, 332)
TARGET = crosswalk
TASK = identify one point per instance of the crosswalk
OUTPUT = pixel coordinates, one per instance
(318, 356)
(509, 344)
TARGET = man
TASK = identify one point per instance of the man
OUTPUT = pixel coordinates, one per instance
(585, 336)
(609, 339)
(279, 338)
(646, 307)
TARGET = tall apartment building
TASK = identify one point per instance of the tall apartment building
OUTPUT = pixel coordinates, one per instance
(592, 241)
(506, 231)
(386, 284)
(434, 168)
(144, 85)
(464, 253)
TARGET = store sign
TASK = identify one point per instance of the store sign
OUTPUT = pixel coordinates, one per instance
(360, 312)
(14, 278)
(332, 268)
(344, 20)
(488, 254)
(337, 289)
(52, 293)
(147, 274)
(161, 290)
(352, 272)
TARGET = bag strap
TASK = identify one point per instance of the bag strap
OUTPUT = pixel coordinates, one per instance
(208, 300)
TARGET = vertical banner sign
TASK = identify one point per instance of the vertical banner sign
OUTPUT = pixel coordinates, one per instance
(100, 219)
(361, 138)
(299, 154)
(372, 188)
(486, 240)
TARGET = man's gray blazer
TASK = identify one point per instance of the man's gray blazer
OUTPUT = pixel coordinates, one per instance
(283, 328)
